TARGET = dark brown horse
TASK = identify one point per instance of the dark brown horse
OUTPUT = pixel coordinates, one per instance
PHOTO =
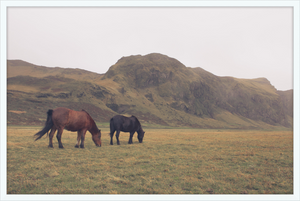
(126, 124)
(64, 118)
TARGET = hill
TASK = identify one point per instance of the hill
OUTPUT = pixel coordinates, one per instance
(156, 88)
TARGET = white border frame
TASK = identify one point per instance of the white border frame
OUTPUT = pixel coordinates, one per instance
(124, 3)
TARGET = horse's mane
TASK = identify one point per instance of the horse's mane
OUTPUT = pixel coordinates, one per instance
(87, 113)
(139, 124)
(90, 118)
(83, 110)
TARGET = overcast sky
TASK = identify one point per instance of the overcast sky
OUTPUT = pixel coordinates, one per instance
(239, 42)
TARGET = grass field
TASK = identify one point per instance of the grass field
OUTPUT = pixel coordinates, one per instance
(169, 161)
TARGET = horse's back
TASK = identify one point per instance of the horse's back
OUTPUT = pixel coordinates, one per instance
(70, 119)
(78, 120)
(122, 123)
(61, 110)
(60, 115)
(116, 121)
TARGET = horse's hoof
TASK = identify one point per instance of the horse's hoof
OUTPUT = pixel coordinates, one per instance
(50, 146)
(82, 147)
(61, 147)
(76, 146)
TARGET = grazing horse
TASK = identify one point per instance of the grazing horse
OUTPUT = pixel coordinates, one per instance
(126, 124)
(64, 118)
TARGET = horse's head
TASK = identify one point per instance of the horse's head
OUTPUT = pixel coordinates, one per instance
(140, 135)
(97, 138)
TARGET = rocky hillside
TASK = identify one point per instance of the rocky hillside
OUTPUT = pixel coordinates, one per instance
(156, 88)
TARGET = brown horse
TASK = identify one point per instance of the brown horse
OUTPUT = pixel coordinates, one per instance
(64, 118)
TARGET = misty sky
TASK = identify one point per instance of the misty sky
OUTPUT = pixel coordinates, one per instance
(239, 42)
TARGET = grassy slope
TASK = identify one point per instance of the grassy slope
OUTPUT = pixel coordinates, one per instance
(170, 85)
(19, 67)
(156, 88)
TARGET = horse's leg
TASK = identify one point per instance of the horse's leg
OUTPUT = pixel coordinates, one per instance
(117, 136)
(51, 137)
(58, 136)
(111, 137)
(78, 139)
(83, 132)
(130, 137)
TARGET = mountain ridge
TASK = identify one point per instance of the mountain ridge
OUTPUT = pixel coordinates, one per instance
(156, 88)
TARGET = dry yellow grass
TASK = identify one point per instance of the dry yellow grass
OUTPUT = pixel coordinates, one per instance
(169, 161)
(17, 111)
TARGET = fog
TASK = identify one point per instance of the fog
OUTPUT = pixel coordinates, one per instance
(239, 42)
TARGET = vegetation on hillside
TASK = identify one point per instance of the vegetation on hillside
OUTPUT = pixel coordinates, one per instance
(156, 88)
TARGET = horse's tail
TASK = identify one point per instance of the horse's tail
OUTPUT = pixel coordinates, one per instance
(48, 125)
